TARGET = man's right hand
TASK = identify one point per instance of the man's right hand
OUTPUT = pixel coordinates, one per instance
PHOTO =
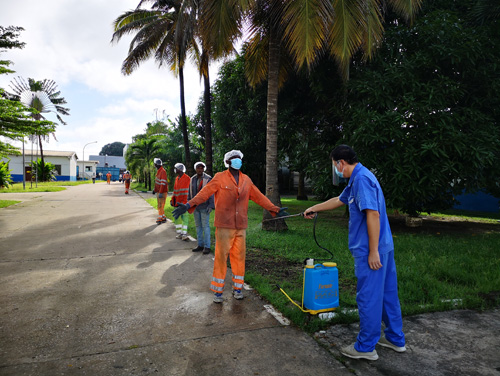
(180, 210)
(153, 192)
(309, 214)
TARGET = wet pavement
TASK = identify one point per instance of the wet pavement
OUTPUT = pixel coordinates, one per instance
(90, 285)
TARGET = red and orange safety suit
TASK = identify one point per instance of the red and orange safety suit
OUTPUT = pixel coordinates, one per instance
(127, 178)
(161, 187)
(231, 221)
(108, 178)
(181, 190)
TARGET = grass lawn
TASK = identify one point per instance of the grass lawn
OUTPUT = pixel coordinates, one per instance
(53, 186)
(5, 203)
(450, 262)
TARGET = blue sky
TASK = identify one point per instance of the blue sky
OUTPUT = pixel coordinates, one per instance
(68, 41)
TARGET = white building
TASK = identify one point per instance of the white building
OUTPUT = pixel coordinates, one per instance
(66, 165)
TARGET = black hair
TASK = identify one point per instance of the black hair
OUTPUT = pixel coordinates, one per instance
(344, 152)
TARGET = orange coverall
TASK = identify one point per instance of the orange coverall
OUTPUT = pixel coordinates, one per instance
(108, 177)
(231, 221)
(127, 178)
(181, 190)
(161, 187)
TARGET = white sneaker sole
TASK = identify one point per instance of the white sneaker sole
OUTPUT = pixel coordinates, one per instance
(393, 347)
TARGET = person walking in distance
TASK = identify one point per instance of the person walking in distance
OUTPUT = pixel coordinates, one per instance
(180, 196)
(108, 177)
(161, 190)
(202, 211)
(127, 178)
(371, 244)
(232, 190)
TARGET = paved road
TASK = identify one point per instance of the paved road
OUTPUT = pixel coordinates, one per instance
(90, 285)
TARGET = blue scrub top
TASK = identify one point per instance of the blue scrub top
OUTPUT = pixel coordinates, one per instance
(364, 192)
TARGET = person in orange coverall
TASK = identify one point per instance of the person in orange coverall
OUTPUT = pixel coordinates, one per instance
(180, 196)
(108, 177)
(232, 190)
(127, 178)
(161, 190)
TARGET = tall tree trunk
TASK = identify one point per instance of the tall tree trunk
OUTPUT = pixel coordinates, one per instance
(272, 187)
(187, 154)
(208, 124)
(41, 159)
(301, 192)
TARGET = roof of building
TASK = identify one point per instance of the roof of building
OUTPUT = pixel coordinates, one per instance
(49, 153)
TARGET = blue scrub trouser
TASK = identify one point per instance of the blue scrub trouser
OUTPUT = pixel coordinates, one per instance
(202, 221)
(377, 298)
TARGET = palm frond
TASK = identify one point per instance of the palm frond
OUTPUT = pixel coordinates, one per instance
(346, 34)
(406, 8)
(256, 59)
(220, 24)
(305, 28)
(373, 30)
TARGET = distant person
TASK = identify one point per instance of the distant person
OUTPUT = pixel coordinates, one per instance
(161, 190)
(93, 178)
(232, 190)
(180, 196)
(108, 177)
(202, 211)
(127, 178)
(371, 244)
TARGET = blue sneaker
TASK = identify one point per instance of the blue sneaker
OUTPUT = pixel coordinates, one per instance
(218, 297)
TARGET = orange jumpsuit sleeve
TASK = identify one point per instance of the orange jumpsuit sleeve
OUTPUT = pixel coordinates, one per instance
(260, 199)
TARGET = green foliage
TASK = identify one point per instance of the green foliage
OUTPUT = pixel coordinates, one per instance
(46, 170)
(5, 177)
(115, 148)
(139, 158)
(9, 39)
(424, 115)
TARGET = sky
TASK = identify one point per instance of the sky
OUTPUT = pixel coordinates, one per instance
(69, 41)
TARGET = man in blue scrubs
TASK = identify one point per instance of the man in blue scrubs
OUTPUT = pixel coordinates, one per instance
(370, 242)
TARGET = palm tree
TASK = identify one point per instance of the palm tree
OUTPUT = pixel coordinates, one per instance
(140, 156)
(165, 32)
(43, 97)
(299, 32)
(216, 41)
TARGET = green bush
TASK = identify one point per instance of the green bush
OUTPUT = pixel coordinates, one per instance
(5, 178)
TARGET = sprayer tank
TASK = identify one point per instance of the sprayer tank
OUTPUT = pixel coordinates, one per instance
(321, 286)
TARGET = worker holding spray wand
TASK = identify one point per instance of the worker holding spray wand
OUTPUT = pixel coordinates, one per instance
(371, 244)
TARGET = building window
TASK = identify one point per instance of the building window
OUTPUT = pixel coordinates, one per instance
(88, 168)
(58, 169)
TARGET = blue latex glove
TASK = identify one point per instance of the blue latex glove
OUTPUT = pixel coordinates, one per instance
(209, 209)
(160, 195)
(180, 210)
(282, 213)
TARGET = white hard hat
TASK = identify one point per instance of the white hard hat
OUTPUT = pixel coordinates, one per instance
(230, 154)
(180, 167)
(200, 163)
(157, 161)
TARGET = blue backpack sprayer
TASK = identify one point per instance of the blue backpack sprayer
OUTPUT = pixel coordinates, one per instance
(320, 289)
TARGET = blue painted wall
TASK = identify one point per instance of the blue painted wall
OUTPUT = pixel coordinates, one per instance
(479, 201)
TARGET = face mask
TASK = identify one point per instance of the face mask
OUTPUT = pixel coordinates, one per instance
(339, 174)
(236, 163)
